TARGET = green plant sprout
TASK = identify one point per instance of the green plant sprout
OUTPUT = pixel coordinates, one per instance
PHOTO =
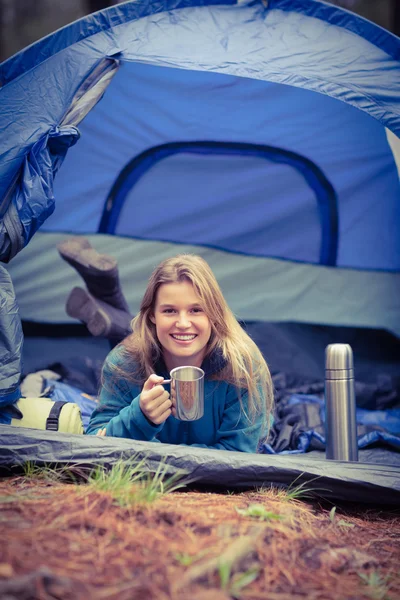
(57, 473)
(234, 585)
(30, 469)
(378, 585)
(258, 511)
(299, 491)
(341, 522)
(8, 499)
(186, 559)
(129, 483)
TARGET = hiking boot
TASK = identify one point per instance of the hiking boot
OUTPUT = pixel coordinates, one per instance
(100, 318)
(99, 271)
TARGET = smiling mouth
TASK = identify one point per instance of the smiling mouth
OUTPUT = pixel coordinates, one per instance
(184, 337)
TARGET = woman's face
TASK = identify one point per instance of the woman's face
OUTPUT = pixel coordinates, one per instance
(183, 329)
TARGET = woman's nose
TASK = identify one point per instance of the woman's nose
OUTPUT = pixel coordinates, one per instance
(183, 321)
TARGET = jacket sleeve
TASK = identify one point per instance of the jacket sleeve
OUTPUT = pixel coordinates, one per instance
(237, 431)
(119, 410)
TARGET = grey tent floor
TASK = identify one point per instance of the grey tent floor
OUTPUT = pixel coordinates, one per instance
(358, 482)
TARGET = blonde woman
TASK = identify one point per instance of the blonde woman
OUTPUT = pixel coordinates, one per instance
(184, 320)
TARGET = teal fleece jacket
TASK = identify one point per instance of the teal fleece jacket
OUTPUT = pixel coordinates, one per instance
(223, 425)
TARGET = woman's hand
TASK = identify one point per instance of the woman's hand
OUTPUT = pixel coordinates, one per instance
(173, 399)
(101, 432)
(154, 400)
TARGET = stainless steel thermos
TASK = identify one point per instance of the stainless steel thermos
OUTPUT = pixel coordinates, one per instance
(340, 404)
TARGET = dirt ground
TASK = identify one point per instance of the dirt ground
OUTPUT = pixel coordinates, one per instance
(67, 542)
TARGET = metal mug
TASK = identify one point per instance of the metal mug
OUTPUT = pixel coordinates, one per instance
(188, 384)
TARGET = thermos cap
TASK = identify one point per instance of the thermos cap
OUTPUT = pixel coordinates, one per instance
(338, 357)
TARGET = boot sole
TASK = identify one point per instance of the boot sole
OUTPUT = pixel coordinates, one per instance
(82, 306)
(85, 256)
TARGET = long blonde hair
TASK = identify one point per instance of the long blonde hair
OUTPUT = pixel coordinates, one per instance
(245, 366)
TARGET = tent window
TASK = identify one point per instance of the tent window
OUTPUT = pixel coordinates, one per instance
(275, 170)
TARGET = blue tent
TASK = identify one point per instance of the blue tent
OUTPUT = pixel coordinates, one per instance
(263, 135)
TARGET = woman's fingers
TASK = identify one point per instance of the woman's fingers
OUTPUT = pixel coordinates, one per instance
(154, 400)
(151, 382)
(101, 432)
(156, 412)
(162, 417)
(152, 409)
(165, 415)
(156, 392)
(152, 396)
(152, 405)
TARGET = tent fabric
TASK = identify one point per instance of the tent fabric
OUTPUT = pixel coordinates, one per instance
(377, 484)
(256, 288)
(315, 68)
(261, 135)
(291, 14)
(295, 350)
(11, 340)
(33, 200)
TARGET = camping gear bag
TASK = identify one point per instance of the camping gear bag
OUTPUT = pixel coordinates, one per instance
(44, 413)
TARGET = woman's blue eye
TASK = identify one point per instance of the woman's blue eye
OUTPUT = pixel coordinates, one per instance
(172, 310)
